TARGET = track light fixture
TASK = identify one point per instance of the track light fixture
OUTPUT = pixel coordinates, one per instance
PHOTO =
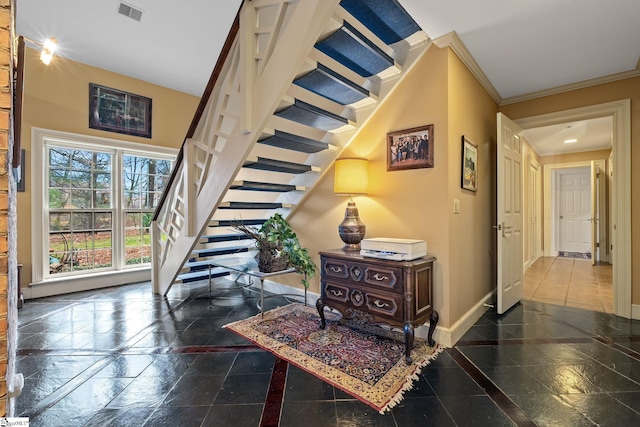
(48, 48)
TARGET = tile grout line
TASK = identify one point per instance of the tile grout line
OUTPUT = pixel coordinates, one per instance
(598, 302)
(533, 295)
(502, 401)
(67, 388)
(88, 373)
(611, 343)
(566, 296)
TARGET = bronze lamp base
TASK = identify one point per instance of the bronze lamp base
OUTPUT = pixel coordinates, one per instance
(351, 229)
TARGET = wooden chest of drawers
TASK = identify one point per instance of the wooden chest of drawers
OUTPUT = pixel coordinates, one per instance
(379, 292)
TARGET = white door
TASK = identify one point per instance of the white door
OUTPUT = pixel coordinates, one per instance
(509, 214)
(575, 211)
(594, 210)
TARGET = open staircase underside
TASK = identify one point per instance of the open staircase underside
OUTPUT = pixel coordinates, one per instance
(295, 82)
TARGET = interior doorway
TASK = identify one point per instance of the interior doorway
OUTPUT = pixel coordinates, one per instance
(619, 218)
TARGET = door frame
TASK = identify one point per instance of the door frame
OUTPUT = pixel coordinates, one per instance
(620, 113)
(552, 201)
(533, 208)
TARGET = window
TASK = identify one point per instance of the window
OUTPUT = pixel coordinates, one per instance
(80, 215)
(144, 180)
(98, 198)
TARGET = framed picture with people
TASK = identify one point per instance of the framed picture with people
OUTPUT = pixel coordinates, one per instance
(410, 148)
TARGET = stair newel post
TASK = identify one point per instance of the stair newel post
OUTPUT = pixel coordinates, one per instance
(155, 256)
(189, 196)
(246, 35)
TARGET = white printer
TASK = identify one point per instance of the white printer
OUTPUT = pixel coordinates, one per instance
(393, 249)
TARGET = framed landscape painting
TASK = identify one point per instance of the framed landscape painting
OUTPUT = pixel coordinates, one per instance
(113, 110)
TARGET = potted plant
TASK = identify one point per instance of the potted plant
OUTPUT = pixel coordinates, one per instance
(279, 248)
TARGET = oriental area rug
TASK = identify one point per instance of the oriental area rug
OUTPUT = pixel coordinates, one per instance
(369, 366)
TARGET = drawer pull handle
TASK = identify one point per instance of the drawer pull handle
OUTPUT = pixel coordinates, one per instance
(335, 269)
(336, 293)
(380, 277)
(379, 304)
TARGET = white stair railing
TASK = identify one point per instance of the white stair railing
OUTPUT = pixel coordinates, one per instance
(273, 40)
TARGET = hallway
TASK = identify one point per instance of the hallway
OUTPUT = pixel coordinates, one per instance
(570, 282)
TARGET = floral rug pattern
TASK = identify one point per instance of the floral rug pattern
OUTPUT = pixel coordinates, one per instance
(370, 366)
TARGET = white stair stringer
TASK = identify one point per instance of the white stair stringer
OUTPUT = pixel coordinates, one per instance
(274, 38)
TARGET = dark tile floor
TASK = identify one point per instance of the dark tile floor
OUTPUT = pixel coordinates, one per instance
(123, 356)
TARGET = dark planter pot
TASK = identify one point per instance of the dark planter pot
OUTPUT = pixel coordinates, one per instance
(268, 263)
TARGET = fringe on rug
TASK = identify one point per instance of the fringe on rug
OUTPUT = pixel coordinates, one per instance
(408, 385)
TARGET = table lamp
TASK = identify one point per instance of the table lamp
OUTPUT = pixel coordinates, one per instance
(351, 179)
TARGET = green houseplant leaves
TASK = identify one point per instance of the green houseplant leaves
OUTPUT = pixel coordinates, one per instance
(278, 240)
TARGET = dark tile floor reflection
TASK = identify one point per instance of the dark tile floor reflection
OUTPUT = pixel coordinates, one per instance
(123, 356)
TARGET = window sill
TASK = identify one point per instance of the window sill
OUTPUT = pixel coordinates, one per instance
(70, 284)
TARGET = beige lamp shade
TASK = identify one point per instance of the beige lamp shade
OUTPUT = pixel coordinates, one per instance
(351, 176)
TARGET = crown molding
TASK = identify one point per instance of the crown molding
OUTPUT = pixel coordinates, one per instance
(573, 86)
(453, 41)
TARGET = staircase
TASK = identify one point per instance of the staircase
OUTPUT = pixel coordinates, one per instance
(294, 83)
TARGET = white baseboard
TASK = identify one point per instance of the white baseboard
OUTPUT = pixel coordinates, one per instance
(447, 337)
(635, 311)
(279, 288)
(69, 284)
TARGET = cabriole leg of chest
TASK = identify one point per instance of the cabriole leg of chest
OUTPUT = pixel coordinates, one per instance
(408, 342)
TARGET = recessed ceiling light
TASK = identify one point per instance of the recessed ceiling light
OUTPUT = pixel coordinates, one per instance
(570, 141)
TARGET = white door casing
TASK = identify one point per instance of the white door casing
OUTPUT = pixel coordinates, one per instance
(594, 211)
(509, 214)
(532, 247)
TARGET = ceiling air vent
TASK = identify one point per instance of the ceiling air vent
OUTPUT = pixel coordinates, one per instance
(129, 11)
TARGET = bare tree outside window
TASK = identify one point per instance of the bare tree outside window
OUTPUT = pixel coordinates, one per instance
(81, 211)
(144, 180)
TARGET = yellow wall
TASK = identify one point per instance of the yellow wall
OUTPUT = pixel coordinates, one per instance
(417, 203)
(56, 97)
(472, 112)
(614, 91)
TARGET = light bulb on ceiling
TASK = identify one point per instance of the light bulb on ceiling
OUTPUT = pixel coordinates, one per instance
(48, 49)
(570, 141)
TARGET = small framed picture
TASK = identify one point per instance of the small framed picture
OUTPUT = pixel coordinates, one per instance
(469, 165)
(410, 148)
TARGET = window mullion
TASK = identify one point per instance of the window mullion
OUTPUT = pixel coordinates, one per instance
(117, 182)
(40, 200)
